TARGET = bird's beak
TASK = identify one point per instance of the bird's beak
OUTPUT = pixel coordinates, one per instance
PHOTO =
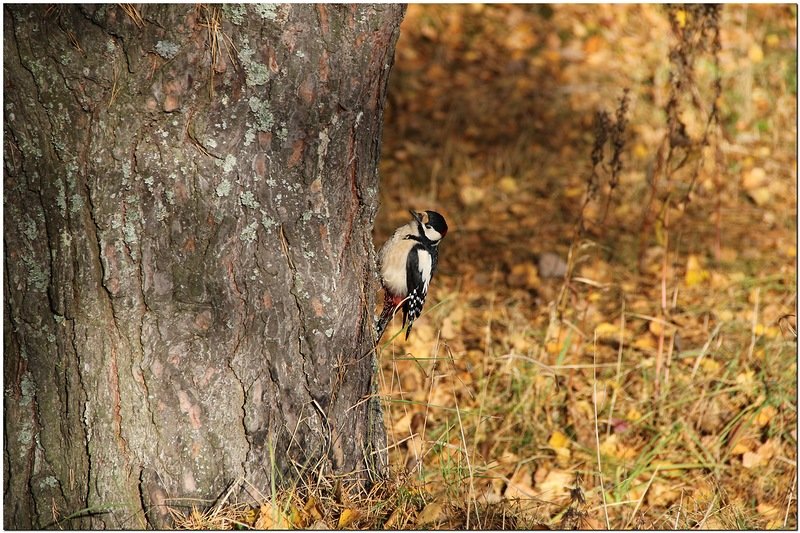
(417, 216)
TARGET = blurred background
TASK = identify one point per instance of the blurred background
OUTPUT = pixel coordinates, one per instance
(617, 292)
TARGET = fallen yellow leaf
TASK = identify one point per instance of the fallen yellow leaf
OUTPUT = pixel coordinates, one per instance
(633, 414)
(709, 365)
(640, 151)
(558, 440)
(761, 456)
(766, 415)
(695, 273)
(772, 40)
(645, 343)
(553, 347)
(347, 517)
(767, 510)
(609, 446)
(746, 379)
(298, 517)
(311, 509)
(725, 315)
(249, 517)
(761, 196)
(607, 331)
(755, 53)
(681, 17)
(742, 446)
(271, 517)
(560, 444)
(507, 184)
(431, 513)
(754, 178)
(627, 452)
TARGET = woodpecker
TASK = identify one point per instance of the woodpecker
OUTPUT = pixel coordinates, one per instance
(408, 261)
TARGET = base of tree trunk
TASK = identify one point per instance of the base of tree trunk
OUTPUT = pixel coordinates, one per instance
(190, 192)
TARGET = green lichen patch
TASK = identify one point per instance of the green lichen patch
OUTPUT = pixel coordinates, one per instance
(29, 229)
(248, 200)
(37, 277)
(27, 389)
(256, 73)
(248, 234)
(235, 13)
(76, 203)
(266, 11)
(129, 234)
(48, 482)
(229, 163)
(264, 117)
(167, 49)
(224, 188)
(267, 221)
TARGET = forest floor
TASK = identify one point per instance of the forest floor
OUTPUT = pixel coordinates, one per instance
(610, 340)
(609, 348)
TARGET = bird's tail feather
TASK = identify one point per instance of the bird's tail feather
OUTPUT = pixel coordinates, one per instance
(389, 309)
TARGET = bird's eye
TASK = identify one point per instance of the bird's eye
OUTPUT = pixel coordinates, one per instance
(428, 226)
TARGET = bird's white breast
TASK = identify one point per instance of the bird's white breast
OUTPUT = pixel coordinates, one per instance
(393, 259)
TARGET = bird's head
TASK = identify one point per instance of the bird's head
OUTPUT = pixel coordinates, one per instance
(431, 224)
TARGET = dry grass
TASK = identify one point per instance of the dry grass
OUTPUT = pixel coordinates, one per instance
(394, 503)
(657, 373)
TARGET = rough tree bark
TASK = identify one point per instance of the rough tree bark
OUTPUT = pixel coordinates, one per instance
(189, 197)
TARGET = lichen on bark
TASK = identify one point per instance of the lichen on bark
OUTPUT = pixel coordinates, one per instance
(184, 266)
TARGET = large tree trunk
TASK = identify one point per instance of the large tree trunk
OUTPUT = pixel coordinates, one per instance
(189, 198)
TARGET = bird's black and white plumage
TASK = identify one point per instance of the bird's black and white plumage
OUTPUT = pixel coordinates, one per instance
(408, 261)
